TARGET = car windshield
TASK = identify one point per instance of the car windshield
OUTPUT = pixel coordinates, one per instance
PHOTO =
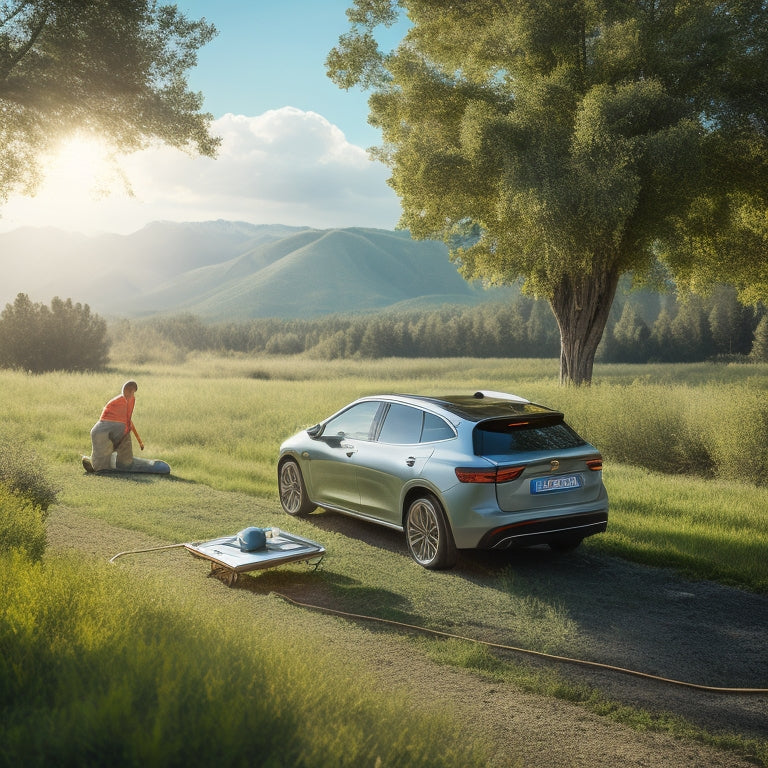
(498, 437)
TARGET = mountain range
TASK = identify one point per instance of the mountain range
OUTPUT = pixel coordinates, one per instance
(225, 270)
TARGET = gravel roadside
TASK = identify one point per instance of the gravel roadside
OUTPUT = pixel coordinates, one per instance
(636, 617)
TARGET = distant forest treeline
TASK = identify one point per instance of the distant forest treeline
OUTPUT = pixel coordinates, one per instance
(644, 327)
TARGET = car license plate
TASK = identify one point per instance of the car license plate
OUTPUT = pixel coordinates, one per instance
(553, 484)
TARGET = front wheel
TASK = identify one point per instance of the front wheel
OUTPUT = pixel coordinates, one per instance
(429, 537)
(293, 493)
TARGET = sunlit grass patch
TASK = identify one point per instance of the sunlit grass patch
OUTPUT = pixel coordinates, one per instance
(217, 424)
(94, 670)
(716, 531)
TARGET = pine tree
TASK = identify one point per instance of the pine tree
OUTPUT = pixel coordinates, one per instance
(631, 336)
(662, 339)
(759, 352)
(691, 332)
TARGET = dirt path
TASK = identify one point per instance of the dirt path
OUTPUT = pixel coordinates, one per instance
(640, 618)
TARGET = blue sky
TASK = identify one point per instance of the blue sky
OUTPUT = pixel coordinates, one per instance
(293, 148)
(270, 54)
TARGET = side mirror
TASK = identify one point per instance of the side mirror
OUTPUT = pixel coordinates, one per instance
(315, 430)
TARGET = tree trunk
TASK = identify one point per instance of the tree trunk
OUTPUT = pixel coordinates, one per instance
(581, 305)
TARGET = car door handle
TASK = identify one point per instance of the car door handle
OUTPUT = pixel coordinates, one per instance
(348, 448)
(410, 461)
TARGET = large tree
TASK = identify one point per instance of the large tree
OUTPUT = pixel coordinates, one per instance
(568, 142)
(110, 68)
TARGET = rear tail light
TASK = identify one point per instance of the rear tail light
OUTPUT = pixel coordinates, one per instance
(490, 475)
(595, 464)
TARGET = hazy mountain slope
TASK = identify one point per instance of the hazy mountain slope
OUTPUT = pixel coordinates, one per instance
(340, 271)
(230, 270)
(201, 285)
(30, 257)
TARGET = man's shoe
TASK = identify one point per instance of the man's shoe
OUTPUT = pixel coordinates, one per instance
(87, 466)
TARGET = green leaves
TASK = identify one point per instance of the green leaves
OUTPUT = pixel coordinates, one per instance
(113, 68)
(582, 138)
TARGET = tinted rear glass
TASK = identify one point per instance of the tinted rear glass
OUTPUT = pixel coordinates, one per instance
(405, 425)
(499, 437)
(402, 425)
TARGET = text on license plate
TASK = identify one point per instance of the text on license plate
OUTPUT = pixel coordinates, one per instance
(552, 484)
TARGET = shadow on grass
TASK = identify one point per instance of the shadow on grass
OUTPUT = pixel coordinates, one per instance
(474, 564)
(331, 592)
(139, 477)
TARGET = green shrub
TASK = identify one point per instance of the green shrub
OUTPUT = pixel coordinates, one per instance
(647, 425)
(22, 471)
(21, 524)
(140, 344)
(737, 434)
(64, 337)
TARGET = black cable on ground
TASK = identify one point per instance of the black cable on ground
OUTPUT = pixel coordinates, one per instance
(540, 654)
(488, 644)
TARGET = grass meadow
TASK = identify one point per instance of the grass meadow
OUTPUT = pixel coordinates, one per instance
(684, 445)
(146, 662)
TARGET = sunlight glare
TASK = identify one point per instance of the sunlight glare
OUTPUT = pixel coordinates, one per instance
(83, 168)
(82, 180)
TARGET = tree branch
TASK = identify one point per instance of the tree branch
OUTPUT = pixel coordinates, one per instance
(21, 52)
(15, 13)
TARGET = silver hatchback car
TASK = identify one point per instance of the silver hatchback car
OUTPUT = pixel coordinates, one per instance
(482, 471)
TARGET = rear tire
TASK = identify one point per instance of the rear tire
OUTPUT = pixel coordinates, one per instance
(429, 537)
(293, 492)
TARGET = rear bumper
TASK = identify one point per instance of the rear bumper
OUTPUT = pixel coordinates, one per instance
(527, 533)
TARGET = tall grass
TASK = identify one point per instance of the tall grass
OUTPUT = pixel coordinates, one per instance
(22, 471)
(716, 530)
(221, 420)
(22, 524)
(705, 430)
(26, 493)
(94, 673)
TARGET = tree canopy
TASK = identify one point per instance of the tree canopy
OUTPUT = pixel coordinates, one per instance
(111, 68)
(568, 142)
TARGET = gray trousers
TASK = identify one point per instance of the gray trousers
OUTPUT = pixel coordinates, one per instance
(106, 438)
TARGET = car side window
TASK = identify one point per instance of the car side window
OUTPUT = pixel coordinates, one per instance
(402, 425)
(356, 422)
(435, 429)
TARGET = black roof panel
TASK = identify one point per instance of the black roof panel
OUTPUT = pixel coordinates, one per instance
(473, 408)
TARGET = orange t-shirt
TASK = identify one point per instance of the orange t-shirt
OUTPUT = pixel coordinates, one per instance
(119, 409)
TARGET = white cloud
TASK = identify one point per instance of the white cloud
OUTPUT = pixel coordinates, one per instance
(285, 166)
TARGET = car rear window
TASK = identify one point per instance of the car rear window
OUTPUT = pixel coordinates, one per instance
(405, 425)
(502, 437)
(435, 429)
(402, 425)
